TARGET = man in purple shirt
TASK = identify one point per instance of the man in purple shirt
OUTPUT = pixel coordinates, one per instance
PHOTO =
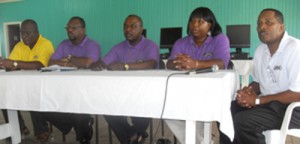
(135, 53)
(204, 46)
(77, 51)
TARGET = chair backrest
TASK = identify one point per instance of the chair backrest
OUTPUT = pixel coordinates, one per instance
(162, 64)
(230, 65)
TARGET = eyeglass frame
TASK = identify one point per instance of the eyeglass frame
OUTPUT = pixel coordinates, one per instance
(73, 27)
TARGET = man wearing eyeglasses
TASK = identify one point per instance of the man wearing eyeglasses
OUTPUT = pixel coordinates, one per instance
(33, 52)
(76, 51)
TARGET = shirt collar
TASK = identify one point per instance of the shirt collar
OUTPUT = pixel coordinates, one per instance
(281, 45)
(207, 41)
(136, 46)
(82, 43)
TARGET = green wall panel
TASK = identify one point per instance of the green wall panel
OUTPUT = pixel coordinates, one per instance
(105, 18)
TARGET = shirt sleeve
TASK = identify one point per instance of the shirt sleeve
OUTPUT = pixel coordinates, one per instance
(111, 56)
(16, 53)
(46, 50)
(59, 53)
(176, 49)
(93, 51)
(222, 49)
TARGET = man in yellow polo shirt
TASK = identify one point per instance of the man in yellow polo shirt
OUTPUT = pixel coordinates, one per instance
(31, 53)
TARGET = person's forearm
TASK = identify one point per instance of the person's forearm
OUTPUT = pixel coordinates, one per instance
(57, 62)
(170, 64)
(29, 65)
(81, 62)
(255, 87)
(149, 64)
(285, 97)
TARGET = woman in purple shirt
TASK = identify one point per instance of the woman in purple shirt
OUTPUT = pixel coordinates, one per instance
(204, 46)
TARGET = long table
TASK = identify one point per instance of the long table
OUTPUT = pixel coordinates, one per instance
(153, 93)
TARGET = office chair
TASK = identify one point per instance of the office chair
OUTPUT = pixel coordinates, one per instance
(279, 136)
(162, 64)
(230, 65)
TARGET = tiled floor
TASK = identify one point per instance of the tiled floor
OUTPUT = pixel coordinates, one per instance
(56, 136)
(103, 138)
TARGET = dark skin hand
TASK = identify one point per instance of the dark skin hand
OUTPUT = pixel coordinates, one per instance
(148, 64)
(98, 66)
(246, 97)
(185, 62)
(8, 64)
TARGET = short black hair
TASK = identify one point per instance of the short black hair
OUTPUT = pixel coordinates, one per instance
(31, 22)
(136, 16)
(81, 20)
(278, 14)
(206, 14)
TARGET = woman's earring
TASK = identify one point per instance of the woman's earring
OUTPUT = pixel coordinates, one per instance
(209, 33)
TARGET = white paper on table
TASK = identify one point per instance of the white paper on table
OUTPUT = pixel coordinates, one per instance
(57, 68)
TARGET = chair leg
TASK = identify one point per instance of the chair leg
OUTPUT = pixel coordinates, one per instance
(64, 137)
(151, 131)
(110, 135)
(96, 127)
(162, 128)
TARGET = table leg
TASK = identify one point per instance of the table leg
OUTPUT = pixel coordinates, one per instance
(207, 133)
(14, 127)
(190, 132)
(245, 80)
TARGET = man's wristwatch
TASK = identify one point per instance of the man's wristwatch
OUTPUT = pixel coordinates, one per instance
(15, 64)
(257, 101)
(126, 66)
(69, 57)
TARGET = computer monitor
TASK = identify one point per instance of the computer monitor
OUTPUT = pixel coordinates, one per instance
(239, 36)
(168, 37)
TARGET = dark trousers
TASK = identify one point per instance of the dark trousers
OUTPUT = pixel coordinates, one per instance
(123, 130)
(250, 123)
(21, 120)
(63, 121)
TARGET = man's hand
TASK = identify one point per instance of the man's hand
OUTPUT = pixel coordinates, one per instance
(246, 97)
(6, 64)
(98, 66)
(116, 66)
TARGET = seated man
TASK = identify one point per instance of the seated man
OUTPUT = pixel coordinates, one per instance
(261, 106)
(77, 51)
(135, 53)
(31, 53)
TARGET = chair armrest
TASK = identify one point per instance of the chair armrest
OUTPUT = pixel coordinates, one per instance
(287, 117)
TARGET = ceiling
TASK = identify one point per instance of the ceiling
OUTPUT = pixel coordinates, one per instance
(7, 1)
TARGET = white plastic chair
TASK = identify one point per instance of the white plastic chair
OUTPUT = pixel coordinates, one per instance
(279, 136)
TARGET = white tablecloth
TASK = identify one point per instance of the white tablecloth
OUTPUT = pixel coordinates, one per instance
(201, 97)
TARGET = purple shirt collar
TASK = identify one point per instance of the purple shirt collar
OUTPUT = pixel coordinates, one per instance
(82, 43)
